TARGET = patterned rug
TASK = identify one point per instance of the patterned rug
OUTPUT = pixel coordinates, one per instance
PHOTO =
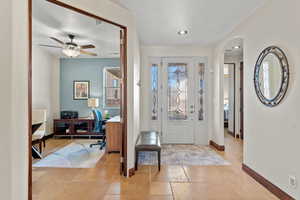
(75, 155)
(183, 155)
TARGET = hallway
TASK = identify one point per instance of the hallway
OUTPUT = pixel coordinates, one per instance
(173, 182)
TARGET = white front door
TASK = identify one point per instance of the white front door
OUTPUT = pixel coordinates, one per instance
(178, 104)
(178, 100)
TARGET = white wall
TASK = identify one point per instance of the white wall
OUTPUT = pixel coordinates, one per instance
(44, 77)
(137, 88)
(231, 98)
(226, 87)
(14, 66)
(173, 51)
(271, 143)
(5, 105)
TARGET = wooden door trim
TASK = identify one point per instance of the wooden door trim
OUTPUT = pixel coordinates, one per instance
(29, 99)
(78, 10)
(234, 99)
(123, 59)
(241, 100)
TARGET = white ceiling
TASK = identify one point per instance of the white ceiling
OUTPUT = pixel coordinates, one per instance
(50, 20)
(207, 21)
(230, 49)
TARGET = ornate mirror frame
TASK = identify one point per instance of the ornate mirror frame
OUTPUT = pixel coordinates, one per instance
(284, 80)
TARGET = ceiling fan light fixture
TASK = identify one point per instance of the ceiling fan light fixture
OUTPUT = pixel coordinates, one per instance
(71, 50)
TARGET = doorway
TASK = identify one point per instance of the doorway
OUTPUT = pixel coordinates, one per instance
(179, 100)
(233, 94)
(122, 60)
(229, 98)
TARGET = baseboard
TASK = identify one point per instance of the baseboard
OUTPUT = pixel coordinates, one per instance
(267, 184)
(218, 147)
(131, 172)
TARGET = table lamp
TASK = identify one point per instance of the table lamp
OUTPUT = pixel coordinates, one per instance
(93, 103)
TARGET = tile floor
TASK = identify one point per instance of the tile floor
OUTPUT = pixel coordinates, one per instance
(172, 182)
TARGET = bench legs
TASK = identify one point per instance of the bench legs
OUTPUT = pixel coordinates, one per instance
(158, 158)
(137, 159)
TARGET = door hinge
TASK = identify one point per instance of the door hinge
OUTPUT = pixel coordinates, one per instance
(121, 160)
(122, 41)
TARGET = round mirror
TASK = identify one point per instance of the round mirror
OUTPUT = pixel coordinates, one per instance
(271, 76)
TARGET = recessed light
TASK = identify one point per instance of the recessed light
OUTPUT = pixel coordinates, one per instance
(236, 47)
(182, 32)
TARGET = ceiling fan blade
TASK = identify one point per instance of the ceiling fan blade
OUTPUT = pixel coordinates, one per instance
(45, 45)
(57, 40)
(88, 53)
(88, 46)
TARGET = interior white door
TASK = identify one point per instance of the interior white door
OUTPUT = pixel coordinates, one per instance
(178, 106)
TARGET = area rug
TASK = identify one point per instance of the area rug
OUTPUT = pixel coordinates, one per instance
(183, 155)
(75, 155)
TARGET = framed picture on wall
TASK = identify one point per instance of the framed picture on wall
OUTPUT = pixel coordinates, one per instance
(81, 90)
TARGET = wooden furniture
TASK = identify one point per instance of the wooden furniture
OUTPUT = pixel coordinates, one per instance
(74, 127)
(35, 126)
(113, 130)
(148, 141)
(39, 115)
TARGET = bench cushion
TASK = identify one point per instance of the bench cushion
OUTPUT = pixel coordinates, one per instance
(148, 141)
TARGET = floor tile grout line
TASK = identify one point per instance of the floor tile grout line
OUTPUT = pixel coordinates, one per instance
(173, 196)
(186, 175)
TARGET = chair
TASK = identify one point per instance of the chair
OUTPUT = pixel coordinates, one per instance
(37, 137)
(99, 127)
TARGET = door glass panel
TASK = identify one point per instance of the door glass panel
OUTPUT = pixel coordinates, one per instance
(154, 91)
(177, 91)
(201, 70)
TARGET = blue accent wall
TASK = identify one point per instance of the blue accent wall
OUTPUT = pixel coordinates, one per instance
(91, 69)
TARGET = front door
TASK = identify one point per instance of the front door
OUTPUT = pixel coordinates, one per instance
(178, 105)
(182, 101)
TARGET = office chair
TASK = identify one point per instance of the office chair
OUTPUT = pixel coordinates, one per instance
(99, 127)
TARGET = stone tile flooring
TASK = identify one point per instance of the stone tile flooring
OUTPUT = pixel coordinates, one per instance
(172, 182)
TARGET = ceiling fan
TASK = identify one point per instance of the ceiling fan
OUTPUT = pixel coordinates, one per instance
(71, 49)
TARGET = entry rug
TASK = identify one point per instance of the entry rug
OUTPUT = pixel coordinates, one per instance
(183, 155)
(75, 155)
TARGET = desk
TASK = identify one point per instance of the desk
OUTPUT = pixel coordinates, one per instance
(73, 127)
(113, 130)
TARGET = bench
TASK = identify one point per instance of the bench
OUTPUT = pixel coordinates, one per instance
(148, 141)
